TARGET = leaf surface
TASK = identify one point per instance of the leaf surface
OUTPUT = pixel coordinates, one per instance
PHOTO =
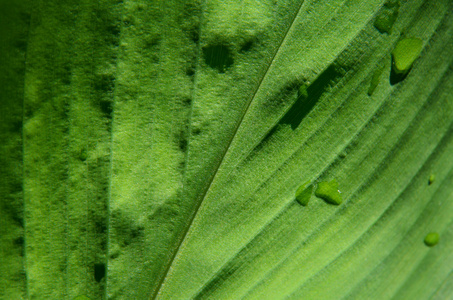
(163, 144)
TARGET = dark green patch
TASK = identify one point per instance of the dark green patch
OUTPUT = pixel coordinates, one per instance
(431, 239)
(99, 271)
(196, 131)
(81, 297)
(329, 192)
(247, 46)
(106, 107)
(309, 95)
(195, 34)
(125, 229)
(187, 101)
(19, 241)
(375, 81)
(182, 142)
(114, 255)
(218, 57)
(104, 83)
(190, 71)
(114, 29)
(83, 154)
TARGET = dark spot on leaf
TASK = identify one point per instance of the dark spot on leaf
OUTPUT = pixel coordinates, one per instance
(65, 74)
(99, 271)
(17, 126)
(103, 245)
(188, 101)
(190, 71)
(104, 83)
(106, 108)
(247, 46)
(218, 57)
(114, 29)
(21, 44)
(305, 103)
(153, 41)
(19, 241)
(83, 155)
(183, 144)
(195, 34)
(101, 226)
(125, 229)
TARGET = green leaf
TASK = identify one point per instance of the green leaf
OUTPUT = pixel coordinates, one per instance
(158, 149)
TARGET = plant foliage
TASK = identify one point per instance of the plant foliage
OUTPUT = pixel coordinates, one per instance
(153, 149)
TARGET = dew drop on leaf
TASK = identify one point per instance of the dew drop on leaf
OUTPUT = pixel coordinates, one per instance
(431, 239)
(405, 53)
(303, 193)
(387, 17)
(329, 192)
(431, 179)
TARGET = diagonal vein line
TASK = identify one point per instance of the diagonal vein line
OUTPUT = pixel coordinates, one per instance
(242, 249)
(211, 179)
(370, 178)
(447, 136)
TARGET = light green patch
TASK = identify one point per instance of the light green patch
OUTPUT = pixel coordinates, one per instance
(303, 193)
(375, 81)
(405, 53)
(387, 17)
(431, 239)
(431, 179)
(329, 192)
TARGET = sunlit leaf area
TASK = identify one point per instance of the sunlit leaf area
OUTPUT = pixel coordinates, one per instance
(226, 149)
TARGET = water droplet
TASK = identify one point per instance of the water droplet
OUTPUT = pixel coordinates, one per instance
(431, 179)
(405, 53)
(329, 192)
(387, 17)
(431, 239)
(303, 193)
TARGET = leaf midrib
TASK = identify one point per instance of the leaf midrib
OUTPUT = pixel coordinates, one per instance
(217, 167)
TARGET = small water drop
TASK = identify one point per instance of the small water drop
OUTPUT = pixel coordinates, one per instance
(387, 17)
(329, 192)
(405, 53)
(431, 239)
(303, 193)
(431, 179)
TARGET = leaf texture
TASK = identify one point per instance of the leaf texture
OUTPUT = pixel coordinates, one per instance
(153, 150)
